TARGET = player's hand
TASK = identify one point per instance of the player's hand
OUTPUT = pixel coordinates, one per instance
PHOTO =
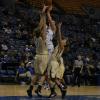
(50, 8)
(44, 8)
(59, 25)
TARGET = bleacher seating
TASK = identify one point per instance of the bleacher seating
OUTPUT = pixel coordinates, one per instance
(8, 72)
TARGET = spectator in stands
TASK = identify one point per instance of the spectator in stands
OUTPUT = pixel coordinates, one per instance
(4, 47)
(27, 49)
(30, 69)
(32, 49)
(21, 70)
(7, 30)
(23, 75)
(18, 33)
(28, 54)
(6, 58)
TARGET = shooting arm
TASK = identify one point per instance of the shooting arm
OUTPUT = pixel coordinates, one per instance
(59, 34)
(51, 22)
(42, 24)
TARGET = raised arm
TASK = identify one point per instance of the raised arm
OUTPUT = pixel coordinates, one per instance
(51, 21)
(59, 38)
(42, 24)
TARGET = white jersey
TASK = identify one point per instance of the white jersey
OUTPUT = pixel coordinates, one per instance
(49, 39)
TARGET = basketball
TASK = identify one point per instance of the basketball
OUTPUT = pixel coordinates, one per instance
(48, 2)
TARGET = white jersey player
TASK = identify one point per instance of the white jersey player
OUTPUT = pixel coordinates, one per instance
(50, 30)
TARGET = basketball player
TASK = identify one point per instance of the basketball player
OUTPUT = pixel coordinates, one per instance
(41, 58)
(50, 30)
(56, 66)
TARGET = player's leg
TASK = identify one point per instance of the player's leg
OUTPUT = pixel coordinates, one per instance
(59, 78)
(62, 87)
(52, 75)
(42, 70)
(52, 88)
(40, 84)
(29, 91)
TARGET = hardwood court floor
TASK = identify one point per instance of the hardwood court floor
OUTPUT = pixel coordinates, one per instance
(20, 90)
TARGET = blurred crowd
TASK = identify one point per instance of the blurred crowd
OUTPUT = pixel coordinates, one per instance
(17, 45)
